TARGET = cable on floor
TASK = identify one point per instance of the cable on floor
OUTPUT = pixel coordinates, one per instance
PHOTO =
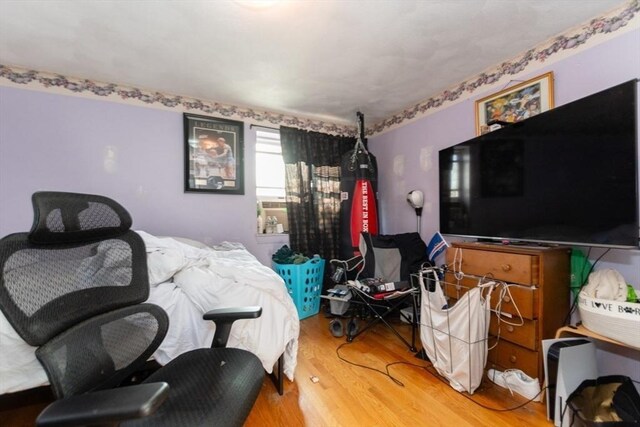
(432, 371)
(387, 373)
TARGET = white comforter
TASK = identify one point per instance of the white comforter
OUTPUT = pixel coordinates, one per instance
(187, 282)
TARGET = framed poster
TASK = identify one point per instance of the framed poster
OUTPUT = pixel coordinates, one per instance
(214, 155)
(516, 103)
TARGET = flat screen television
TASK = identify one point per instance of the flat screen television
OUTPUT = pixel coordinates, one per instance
(566, 176)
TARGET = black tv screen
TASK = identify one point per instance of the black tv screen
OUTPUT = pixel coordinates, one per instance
(568, 175)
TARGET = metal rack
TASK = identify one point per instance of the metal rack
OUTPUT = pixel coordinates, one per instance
(454, 326)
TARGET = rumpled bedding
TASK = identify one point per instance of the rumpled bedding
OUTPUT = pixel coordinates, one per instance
(187, 281)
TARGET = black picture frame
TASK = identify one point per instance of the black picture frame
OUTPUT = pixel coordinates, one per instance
(214, 155)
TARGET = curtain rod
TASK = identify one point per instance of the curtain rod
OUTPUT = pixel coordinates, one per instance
(264, 127)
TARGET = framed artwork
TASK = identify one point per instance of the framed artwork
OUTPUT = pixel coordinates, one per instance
(214, 155)
(516, 103)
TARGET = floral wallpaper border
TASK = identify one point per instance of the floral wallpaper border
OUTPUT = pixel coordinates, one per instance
(22, 76)
(602, 25)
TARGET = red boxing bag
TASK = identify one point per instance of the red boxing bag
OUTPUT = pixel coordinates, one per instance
(358, 200)
(364, 213)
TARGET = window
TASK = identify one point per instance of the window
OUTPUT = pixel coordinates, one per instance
(269, 166)
(270, 172)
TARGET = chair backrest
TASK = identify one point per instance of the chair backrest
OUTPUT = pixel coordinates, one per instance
(104, 350)
(392, 257)
(80, 260)
(60, 217)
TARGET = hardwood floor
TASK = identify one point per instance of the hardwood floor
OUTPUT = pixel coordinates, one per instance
(348, 395)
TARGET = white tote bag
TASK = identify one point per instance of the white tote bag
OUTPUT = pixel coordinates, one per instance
(455, 338)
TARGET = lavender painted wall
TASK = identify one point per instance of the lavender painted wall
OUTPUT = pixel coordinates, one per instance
(408, 156)
(132, 154)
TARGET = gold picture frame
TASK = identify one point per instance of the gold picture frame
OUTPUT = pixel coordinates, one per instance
(515, 103)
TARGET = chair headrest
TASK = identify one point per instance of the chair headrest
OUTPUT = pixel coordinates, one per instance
(60, 217)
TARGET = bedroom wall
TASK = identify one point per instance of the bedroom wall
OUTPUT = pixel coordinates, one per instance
(408, 156)
(132, 154)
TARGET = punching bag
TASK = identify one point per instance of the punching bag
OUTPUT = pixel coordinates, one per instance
(358, 195)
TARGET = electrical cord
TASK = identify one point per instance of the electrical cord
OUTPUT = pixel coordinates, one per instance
(435, 374)
(360, 264)
(385, 373)
(457, 264)
(574, 304)
(506, 292)
(431, 370)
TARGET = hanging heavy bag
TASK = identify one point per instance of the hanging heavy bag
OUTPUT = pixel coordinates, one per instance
(358, 195)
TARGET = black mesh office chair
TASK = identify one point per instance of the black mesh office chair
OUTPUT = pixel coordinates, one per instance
(75, 286)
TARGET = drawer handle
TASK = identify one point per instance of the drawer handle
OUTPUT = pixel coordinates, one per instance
(506, 267)
(513, 359)
(506, 299)
(510, 328)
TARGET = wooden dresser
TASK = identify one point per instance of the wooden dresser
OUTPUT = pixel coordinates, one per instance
(540, 279)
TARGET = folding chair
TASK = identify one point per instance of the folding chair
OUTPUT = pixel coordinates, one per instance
(387, 259)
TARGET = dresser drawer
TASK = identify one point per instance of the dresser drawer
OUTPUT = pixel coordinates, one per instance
(525, 297)
(511, 356)
(525, 335)
(509, 267)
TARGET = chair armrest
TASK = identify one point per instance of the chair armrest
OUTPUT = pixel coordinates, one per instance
(224, 318)
(105, 406)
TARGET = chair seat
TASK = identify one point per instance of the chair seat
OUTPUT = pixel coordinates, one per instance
(207, 388)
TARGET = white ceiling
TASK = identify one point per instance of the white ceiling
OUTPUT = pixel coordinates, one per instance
(316, 59)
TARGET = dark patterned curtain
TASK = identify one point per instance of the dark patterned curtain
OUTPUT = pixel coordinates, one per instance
(312, 180)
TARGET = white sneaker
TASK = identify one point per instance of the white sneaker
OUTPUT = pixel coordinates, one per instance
(517, 381)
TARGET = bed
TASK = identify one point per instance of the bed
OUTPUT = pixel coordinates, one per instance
(187, 279)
